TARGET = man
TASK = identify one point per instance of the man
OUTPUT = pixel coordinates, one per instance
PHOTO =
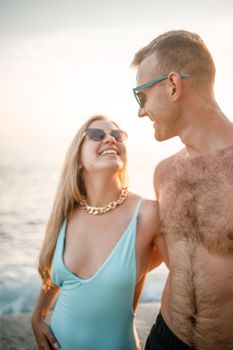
(175, 78)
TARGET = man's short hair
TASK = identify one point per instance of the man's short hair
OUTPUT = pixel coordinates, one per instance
(183, 52)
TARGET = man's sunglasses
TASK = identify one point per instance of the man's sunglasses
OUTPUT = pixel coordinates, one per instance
(100, 134)
(140, 98)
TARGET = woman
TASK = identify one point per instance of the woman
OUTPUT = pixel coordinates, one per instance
(99, 244)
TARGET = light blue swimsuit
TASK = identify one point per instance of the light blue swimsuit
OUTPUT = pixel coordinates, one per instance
(97, 313)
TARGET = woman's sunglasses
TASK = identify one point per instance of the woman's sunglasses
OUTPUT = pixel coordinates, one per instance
(100, 134)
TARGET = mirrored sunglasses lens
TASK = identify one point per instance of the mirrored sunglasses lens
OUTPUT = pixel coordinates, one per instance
(119, 135)
(95, 134)
(139, 99)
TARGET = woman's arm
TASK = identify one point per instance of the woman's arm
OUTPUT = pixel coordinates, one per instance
(43, 334)
(154, 237)
(155, 259)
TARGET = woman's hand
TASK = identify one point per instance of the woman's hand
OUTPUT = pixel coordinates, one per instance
(43, 334)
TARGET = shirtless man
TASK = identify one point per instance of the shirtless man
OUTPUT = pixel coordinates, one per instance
(175, 78)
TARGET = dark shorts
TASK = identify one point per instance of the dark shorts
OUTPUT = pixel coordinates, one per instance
(162, 338)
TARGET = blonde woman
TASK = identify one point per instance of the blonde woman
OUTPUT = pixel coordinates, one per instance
(100, 242)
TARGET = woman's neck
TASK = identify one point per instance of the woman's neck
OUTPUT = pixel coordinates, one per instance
(99, 191)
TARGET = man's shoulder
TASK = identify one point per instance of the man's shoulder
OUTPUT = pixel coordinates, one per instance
(166, 163)
(164, 169)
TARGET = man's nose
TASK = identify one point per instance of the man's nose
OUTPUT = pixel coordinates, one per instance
(142, 112)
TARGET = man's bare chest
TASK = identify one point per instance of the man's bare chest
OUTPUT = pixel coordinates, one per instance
(196, 203)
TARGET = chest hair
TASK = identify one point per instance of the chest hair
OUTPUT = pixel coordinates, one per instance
(196, 201)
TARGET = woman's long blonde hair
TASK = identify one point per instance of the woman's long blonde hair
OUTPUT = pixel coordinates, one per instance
(68, 195)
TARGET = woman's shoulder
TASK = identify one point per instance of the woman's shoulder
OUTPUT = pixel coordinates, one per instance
(148, 210)
(145, 202)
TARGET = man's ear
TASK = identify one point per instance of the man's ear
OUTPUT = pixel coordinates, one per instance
(175, 85)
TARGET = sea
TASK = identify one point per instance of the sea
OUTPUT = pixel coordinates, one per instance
(27, 187)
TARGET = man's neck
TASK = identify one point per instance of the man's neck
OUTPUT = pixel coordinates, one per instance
(206, 130)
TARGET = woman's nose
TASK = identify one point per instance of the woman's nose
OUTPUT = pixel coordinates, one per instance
(109, 138)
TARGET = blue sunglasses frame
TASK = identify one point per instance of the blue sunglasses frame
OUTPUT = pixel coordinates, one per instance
(150, 83)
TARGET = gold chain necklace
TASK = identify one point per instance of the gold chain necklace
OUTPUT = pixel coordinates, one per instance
(108, 207)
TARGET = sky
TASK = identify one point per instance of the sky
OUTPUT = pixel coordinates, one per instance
(64, 61)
